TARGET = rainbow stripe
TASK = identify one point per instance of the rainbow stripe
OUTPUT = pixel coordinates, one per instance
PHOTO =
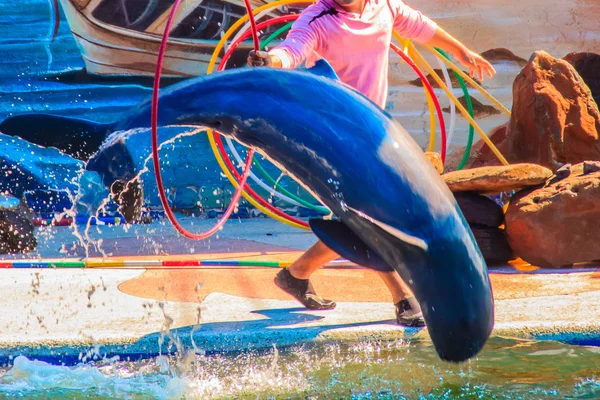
(125, 264)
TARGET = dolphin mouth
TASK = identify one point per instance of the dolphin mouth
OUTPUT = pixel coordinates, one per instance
(249, 138)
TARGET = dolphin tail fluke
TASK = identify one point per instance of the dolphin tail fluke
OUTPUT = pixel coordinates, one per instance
(339, 238)
(79, 138)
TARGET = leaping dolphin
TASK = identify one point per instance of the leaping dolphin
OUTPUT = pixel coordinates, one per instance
(392, 208)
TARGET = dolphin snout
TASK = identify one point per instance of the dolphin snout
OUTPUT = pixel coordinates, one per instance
(462, 333)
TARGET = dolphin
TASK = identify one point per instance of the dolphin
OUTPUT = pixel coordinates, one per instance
(391, 210)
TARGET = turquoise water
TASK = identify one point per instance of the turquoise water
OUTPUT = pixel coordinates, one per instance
(505, 369)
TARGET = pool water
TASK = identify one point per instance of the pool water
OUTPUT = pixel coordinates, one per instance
(505, 369)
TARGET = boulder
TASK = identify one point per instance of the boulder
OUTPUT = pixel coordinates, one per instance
(436, 160)
(555, 225)
(587, 66)
(434, 84)
(554, 120)
(16, 227)
(496, 179)
(480, 110)
(502, 54)
(129, 197)
(479, 209)
(554, 117)
(493, 244)
(481, 155)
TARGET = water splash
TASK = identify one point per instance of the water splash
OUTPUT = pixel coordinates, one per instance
(506, 369)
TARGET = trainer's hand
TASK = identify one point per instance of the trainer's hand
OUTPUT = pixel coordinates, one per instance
(475, 63)
(259, 59)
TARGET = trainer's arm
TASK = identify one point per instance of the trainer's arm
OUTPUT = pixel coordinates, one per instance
(301, 41)
(473, 61)
(412, 24)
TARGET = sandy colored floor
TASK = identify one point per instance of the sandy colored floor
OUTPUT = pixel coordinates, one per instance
(56, 313)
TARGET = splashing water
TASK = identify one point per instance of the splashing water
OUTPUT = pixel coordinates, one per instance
(84, 198)
(506, 369)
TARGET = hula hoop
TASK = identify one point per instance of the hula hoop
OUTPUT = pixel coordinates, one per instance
(452, 106)
(430, 106)
(225, 58)
(470, 80)
(459, 106)
(154, 122)
(211, 139)
(463, 86)
(426, 83)
(277, 190)
(215, 139)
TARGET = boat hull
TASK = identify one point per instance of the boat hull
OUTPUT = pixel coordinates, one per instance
(112, 50)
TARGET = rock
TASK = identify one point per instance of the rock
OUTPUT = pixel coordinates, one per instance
(16, 227)
(433, 83)
(479, 209)
(554, 117)
(25, 166)
(480, 110)
(587, 66)
(481, 154)
(586, 167)
(502, 54)
(554, 120)
(496, 179)
(493, 244)
(436, 160)
(129, 196)
(591, 167)
(561, 173)
(555, 225)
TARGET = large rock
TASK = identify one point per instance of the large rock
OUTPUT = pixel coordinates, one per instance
(479, 209)
(554, 117)
(418, 82)
(493, 244)
(436, 160)
(496, 179)
(129, 197)
(480, 155)
(587, 66)
(480, 110)
(556, 225)
(554, 121)
(16, 227)
(502, 54)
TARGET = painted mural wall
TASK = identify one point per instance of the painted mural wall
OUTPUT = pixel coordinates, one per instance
(92, 59)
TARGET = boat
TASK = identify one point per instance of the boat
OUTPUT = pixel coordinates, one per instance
(122, 37)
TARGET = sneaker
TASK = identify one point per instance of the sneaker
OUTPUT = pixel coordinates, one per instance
(302, 290)
(408, 312)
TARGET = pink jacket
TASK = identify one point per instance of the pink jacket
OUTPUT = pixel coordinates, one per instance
(356, 45)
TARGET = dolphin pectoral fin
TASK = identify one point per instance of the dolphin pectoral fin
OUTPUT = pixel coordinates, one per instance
(339, 238)
(395, 232)
(323, 68)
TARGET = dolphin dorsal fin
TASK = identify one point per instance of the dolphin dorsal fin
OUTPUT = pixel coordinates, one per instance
(324, 69)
